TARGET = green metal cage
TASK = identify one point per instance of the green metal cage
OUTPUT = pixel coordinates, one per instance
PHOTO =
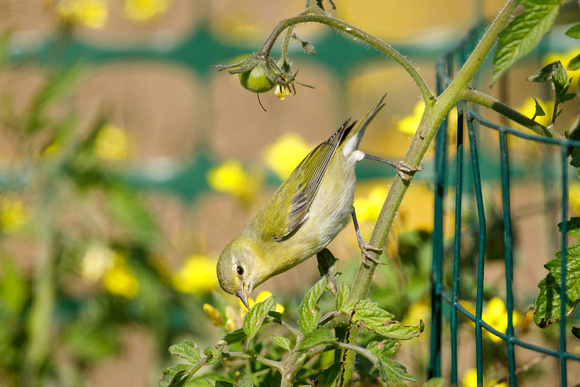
(468, 177)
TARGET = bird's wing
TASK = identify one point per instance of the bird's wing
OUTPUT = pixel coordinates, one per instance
(305, 181)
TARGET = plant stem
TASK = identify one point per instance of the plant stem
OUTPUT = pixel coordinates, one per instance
(267, 362)
(490, 102)
(321, 17)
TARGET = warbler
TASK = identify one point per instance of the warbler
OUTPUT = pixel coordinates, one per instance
(304, 214)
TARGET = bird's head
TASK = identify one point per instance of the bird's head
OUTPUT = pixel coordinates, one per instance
(238, 269)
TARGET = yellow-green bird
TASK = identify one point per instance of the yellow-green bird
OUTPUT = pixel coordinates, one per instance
(304, 214)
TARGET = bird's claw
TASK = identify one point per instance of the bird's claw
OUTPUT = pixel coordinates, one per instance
(365, 249)
(405, 170)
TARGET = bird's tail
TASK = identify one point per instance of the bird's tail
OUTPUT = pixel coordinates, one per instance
(353, 138)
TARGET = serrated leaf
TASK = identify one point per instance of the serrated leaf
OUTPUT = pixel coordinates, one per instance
(342, 297)
(256, 315)
(245, 381)
(187, 350)
(235, 336)
(547, 307)
(368, 315)
(522, 35)
(329, 375)
(175, 376)
(314, 338)
(308, 310)
(575, 158)
(574, 63)
(281, 341)
(392, 373)
(572, 227)
(383, 348)
(574, 31)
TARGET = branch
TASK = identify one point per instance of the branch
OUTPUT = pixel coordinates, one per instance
(490, 102)
(241, 355)
(323, 18)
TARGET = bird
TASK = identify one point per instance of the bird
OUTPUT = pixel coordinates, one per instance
(304, 214)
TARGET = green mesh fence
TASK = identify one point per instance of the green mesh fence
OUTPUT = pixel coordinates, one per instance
(470, 179)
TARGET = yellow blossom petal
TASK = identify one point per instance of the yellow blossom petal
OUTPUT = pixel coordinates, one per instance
(92, 13)
(368, 207)
(145, 10)
(409, 124)
(112, 143)
(574, 197)
(13, 214)
(230, 325)
(97, 260)
(230, 177)
(214, 316)
(197, 275)
(284, 155)
(262, 296)
(119, 279)
(283, 91)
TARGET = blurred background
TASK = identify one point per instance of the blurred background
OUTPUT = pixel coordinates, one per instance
(127, 164)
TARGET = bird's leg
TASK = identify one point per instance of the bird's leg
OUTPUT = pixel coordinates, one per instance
(365, 247)
(402, 167)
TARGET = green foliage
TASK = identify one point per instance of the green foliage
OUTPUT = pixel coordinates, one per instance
(314, 340)
(524, 33)
(547, 306)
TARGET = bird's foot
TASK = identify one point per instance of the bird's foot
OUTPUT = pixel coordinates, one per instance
(405, 170)
(366, 248)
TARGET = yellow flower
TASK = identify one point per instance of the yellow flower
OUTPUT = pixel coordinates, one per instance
(145, 10)
(262, 296)
(470, 380)
(96, 261)
(284, 155)
(214, 315)
(92, 13)
(13, 215)
(495, 314)
(368, 207)
(418, 311)
(410, 123)
(574, 197)
(528, 109)
(283, 91)
(231, 178)
(119, 279)
(197, 275)
(112, 143)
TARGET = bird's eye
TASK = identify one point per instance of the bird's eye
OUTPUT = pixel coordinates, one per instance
(240, 270)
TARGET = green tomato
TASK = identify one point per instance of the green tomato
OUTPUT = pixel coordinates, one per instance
(255, 80)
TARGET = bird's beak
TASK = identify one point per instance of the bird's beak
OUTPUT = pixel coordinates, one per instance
(243, 295)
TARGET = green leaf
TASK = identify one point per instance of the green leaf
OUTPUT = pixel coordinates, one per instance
(546, 73)
(574, 63)
(342, 297)
(213, 354)
(574, 31)
(539, 111)
(235, 336)
(392, 373)
(245, 381)
(328, 266)
(175, 376)
(547, 308)
(127, 208)
(434, 382)
(576, 332)
(329, 375)
(255, 317)
(308, 310)
(523, 34)
(281, 341)
(573, 227)
(314, 338)
(187, 350)
(368, 315)
(575, 160)
(385, 348)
